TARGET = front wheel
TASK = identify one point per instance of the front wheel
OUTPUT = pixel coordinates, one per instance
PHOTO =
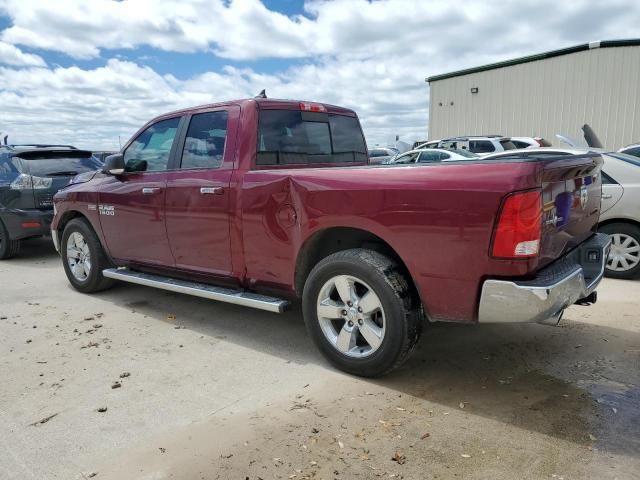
(624, 257)
(358, 310)
(83, 257)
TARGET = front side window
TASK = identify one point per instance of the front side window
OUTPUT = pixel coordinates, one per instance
(150, 151)
(205, 140)
(293, 137)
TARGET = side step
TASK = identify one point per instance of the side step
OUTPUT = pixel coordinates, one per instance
(237, 297)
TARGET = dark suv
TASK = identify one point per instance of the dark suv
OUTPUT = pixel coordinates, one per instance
(29, 177)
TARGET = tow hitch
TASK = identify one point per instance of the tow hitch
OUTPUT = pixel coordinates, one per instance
(588, 300)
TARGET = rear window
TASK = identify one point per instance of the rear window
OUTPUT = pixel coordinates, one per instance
(289, 137)
(626, 158)
(52, 165)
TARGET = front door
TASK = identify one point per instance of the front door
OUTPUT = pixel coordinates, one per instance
(132, 205)
(198, 193)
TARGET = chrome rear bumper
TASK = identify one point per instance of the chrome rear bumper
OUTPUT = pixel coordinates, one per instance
(555, 287)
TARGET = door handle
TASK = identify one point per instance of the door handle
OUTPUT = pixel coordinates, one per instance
(607, 196)
(150, 190)
(211, 190)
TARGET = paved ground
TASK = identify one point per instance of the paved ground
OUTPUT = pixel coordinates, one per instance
(221, 392)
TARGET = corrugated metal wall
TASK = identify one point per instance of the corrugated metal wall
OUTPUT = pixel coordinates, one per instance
(545, 97)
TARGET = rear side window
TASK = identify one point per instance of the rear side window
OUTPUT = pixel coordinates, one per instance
(288, 137)
(481, 146)
(204, 143)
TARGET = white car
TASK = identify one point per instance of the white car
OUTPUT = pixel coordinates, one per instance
(620, 211)
(481, 145)
(431, 155)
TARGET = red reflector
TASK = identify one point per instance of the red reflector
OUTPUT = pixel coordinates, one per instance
(518, 231)
(312, 107)
(30, 224)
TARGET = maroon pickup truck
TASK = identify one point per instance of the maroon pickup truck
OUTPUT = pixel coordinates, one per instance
(258, 202)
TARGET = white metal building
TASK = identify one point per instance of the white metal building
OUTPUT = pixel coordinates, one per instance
(540, 95)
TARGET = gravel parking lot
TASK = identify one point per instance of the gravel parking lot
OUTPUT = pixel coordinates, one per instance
(206, 390)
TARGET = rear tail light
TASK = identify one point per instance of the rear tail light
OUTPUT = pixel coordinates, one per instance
(312, 107)
(519, 228)
(28, 182)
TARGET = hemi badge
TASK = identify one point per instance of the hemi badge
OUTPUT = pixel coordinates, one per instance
(92, 207)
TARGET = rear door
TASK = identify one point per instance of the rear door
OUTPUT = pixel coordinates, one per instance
(199, 193)
(132, 205)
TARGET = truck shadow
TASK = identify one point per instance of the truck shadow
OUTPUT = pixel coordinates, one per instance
(575, 382)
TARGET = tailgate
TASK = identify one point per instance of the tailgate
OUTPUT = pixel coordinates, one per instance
(571, 194)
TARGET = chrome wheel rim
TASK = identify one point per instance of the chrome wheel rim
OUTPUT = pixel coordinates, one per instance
(78, 256)
(624, 254)
(351, 316)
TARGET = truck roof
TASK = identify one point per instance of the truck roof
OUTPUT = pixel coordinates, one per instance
(262, 103)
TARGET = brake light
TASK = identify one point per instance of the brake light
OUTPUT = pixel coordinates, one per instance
(519, 228)
(312, 107)
(28, 182)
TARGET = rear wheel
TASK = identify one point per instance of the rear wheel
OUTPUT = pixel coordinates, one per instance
(83, 257)
(624, 258)
(8, 248)
(358, 310)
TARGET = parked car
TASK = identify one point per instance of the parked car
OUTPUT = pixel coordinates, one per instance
(530, 142)
(430, 155)
(620, 215)
(633, 149)
(29, 177)
(482, 145)
(381, 154)
(256, 202)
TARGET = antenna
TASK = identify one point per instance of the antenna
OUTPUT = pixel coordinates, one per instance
(262, 94)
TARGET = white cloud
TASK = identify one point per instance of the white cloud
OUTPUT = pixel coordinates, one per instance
(372, 56)
(12, 55)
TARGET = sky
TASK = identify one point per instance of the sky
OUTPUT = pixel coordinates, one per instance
(91, 72)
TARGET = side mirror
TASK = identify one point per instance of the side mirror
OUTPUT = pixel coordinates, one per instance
(114, 164)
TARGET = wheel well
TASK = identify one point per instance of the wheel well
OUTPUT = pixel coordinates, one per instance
(67, 217)
(332, 240)
(619, 220)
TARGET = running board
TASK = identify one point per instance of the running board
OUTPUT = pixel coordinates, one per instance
(228, 295)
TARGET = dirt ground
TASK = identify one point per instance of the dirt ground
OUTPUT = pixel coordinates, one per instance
(213, 391)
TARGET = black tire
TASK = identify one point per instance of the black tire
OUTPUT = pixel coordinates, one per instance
(8, 248)
(94, 281)
(403, 322)
(629, 230)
